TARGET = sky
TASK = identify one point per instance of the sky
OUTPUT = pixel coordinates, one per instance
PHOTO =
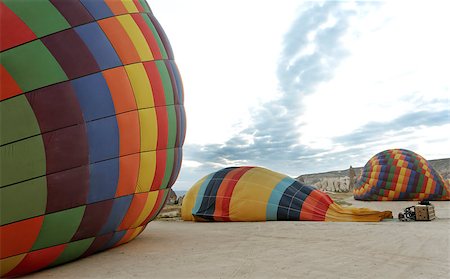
(306, 86)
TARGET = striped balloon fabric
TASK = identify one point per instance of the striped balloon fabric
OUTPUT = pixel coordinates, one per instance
(399, 174)
(258, 194)
(92, 125)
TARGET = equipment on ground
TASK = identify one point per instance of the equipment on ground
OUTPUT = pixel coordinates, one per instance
(423, 211)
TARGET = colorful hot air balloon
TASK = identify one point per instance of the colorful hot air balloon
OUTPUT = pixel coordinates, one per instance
(399, 174)
(92, 125)
(258, 194)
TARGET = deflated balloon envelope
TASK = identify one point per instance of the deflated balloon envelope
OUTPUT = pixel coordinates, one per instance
(399, 174)
(92, 125)
(258, 194)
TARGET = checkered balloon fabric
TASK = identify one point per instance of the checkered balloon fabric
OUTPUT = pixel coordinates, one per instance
(399, 174)
(92, 126)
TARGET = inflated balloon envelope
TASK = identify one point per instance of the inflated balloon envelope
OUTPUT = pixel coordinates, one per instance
(259, 194)
(400, 174)
(92, 125)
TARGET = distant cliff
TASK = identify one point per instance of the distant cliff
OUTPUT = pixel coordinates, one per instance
(339, 181)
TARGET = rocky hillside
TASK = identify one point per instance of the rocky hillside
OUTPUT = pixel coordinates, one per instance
(442, 166)
(340, 181)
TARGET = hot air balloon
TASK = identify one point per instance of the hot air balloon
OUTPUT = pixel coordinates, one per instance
(399, 174)
(92, 125)
(259, 194)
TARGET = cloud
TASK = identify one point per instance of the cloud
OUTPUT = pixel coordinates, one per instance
(271, 139)
(312, 53)
(373, 131)
(299, 74)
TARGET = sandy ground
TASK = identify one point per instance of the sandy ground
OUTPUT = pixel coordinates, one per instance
(177, 249)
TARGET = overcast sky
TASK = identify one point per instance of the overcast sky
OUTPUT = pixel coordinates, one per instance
(306, 86)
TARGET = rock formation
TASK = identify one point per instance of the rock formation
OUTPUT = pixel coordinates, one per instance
(172, 198)
(343, 180)
(352, 177)
(334, 184)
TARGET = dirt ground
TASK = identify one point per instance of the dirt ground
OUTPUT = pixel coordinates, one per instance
(177, 249)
